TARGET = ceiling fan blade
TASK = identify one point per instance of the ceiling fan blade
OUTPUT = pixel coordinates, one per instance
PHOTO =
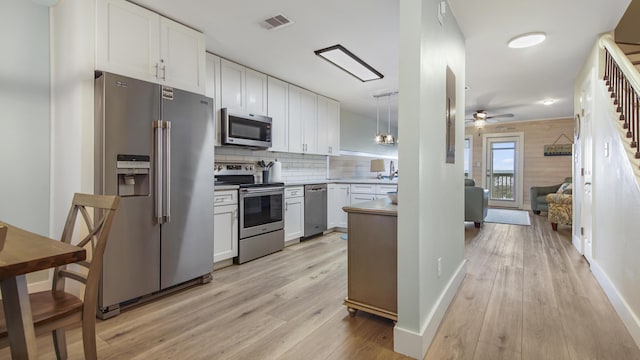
(500, 116)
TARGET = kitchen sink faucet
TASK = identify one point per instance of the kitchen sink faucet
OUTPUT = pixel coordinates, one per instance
(392, 171)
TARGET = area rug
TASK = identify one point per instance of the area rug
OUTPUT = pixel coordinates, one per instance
(507, 216)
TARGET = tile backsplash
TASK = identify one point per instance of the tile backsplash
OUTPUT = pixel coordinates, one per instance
(295, 167)
(355, 167)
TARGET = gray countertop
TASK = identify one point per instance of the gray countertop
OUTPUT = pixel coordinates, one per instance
(225, 187)
(342, 181)
(374, 207)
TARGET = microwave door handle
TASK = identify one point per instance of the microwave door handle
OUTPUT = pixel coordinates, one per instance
(157, 128)
(167, 180)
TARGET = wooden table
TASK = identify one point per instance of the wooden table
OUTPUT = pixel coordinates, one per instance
(26, 252)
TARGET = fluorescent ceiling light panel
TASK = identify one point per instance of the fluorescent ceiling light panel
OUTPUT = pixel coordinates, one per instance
(527, 40)
(347, 61)
(548, 102)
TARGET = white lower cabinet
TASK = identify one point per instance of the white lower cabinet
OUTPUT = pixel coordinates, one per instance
(338, 197)
(225, 225)
(367, 192)
(293, 213)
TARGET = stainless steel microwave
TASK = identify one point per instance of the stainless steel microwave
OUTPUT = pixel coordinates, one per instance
(244, 129)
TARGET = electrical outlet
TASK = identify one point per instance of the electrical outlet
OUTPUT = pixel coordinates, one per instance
(439, 266)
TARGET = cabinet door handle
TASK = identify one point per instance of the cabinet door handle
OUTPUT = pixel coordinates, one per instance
(235, 213)
(157, 66)
(286, 206)
(164, 72)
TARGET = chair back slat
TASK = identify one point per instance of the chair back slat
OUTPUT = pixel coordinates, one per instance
(70, 274)
(103, 208)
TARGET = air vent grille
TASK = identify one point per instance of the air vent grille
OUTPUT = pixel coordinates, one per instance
(277, 21)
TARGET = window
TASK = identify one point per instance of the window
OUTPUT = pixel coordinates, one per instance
(468, 150)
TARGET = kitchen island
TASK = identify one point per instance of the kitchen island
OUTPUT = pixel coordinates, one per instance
(372, 258)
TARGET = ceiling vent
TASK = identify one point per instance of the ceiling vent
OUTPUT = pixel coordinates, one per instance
(276, 22)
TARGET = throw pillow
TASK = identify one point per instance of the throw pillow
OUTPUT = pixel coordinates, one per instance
(565, 188)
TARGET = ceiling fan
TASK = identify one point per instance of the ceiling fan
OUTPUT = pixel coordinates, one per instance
(480, 118)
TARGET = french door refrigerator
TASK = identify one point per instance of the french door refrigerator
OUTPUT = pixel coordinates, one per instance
(154, 147)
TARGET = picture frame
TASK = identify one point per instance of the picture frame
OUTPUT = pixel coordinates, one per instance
(450, 117)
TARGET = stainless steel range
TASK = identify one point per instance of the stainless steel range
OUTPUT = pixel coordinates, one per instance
(261, 225)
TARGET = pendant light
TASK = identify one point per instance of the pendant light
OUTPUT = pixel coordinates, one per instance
(379, 137)
(389, 139)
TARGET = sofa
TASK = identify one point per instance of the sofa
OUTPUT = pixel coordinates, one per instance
(476, 202)
(539, 196)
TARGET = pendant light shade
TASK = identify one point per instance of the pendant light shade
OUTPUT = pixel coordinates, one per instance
(382, 138)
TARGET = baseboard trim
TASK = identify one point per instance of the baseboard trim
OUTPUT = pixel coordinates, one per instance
(577, 243)
(414, 344)
(629, 318)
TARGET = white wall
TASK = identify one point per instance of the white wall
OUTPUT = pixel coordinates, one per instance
(357, 133)
(24, 115)
(24, 118)
(431, 198)
(615, 209)
(72, 137)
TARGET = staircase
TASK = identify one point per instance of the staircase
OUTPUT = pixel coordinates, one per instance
(632, 51)
(621, 75)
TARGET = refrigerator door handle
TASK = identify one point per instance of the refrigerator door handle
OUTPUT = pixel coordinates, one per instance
(157, 128)
(167, 180)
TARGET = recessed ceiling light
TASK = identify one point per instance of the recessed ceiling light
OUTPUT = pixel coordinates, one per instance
(339, 56)
(527, 40)
(548, 102)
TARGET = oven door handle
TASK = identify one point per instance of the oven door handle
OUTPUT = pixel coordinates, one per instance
(258, 191)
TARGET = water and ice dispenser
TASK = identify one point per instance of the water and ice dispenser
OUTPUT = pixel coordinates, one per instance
(133, 175)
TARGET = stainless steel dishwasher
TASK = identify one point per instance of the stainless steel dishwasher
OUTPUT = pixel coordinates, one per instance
(315, 209)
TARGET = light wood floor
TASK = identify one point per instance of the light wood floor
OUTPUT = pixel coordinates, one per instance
(527, 295)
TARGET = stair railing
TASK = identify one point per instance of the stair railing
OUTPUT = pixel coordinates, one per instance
(621, 78)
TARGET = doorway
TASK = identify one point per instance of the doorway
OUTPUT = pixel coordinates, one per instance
(503, 169)
(586, 141)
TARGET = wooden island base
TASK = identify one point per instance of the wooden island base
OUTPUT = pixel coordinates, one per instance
(372, 258)
(354, 306)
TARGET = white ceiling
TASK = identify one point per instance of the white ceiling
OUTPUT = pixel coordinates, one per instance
(500, 80)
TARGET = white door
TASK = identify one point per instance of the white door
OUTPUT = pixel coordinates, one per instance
(587, 166)
(232, 85)
(128, 40)
(293, 218)
(278, 110)
(322, 125)
(296, 140)
(255, 92)
(334, 128)
(309, 114)
(225, 232)
(503, 169)
(182, 56)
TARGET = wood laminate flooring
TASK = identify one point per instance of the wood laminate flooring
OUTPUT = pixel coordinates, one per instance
(527, 295)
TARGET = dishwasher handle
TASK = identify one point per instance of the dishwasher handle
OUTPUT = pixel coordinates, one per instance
(316, 190)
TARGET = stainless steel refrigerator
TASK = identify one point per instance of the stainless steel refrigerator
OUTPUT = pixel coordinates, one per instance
(154, 147)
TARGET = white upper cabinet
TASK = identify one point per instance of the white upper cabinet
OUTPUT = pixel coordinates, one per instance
(278, 110)
(182, 54)
(322, 116)
(302, 121)
(243, 89)
(256, 92)
(232, 81)
(334, 128)
(139, 43)
(328, 126)
(213, 91)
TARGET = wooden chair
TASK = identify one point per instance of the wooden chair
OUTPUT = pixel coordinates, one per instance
(54, 310)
